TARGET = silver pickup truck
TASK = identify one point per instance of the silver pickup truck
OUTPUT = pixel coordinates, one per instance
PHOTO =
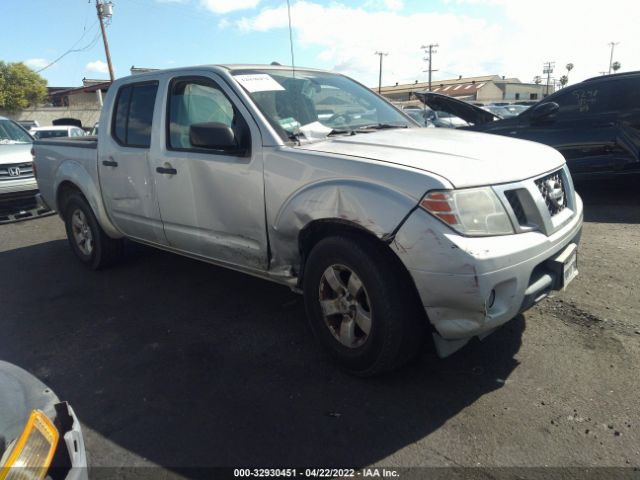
(309, 179)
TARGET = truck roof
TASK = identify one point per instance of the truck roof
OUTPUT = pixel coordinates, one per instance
(222, 67)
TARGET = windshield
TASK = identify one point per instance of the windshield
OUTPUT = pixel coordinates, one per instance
(11, 133)
(330, 102)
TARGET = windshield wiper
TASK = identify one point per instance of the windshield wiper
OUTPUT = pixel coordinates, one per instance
(341, 131)
(363, 129)
(380, 126)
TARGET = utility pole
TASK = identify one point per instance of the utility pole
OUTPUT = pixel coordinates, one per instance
(429, 57)
(380, 54)
(548, 69)
(612, 44)
(105, 9)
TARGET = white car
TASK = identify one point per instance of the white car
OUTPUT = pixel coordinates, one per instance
(56, 131)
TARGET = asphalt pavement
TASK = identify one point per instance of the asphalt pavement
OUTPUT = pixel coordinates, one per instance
(174, 363)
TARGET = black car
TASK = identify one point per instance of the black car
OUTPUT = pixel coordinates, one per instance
(595, 124)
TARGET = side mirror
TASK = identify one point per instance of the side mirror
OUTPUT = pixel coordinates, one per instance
(213, 135)
(543, 112)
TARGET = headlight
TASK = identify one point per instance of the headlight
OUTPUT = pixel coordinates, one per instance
(30, 456)
(470, 211)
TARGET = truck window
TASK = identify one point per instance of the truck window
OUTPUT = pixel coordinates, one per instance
(194, 101)
(134, 114)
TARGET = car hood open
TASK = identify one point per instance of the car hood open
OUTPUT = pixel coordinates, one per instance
(464, 158)
(464, 110)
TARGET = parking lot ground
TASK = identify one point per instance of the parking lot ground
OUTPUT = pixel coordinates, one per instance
(176, 363)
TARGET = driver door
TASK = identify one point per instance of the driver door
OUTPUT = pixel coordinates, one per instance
(211, 201)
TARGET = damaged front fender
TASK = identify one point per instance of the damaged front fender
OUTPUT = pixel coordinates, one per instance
(369, 206)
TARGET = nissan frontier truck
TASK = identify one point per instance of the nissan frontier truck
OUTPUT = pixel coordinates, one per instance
(393, 233)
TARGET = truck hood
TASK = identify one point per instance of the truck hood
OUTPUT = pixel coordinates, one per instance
(15, 153)
(466, 159)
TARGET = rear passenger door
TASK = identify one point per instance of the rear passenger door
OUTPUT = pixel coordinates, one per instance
(211, 201)
(623, 110)
(126, 179)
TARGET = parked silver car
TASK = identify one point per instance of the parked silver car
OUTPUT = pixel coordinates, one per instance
(388, 229)
(18, 187)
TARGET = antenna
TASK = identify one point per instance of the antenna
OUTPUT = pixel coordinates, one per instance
(293, 63)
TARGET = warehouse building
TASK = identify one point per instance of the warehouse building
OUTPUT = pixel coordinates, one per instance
(485, 89)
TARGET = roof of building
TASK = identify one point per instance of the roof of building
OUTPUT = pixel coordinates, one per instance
(440, 85)
(55, 91)
(459, 90)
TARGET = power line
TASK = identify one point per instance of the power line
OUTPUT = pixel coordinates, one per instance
(612, 45)
(72, 50)
(380, 54)
(429, 58)
(104, 10)
(293, 62)
(548, 69)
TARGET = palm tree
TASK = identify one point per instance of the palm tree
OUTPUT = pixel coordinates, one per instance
(616, 66)
(564, 79)
(537, 79)
(569, 67)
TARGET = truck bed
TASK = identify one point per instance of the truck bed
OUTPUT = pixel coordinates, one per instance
(89, 141)
(53, 154)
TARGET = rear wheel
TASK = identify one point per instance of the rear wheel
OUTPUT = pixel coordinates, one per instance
(361, 308)
(87, 239)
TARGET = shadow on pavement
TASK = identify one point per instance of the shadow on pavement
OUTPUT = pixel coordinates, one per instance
(188, 365)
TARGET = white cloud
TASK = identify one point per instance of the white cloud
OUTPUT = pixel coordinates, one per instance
(98, 67)
(36, 63)
(508, 37)
(394, 4)
(226, 6)
(383, 5)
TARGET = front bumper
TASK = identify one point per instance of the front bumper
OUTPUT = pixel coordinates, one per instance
(20, 200)
(455, 275)
(18, 185)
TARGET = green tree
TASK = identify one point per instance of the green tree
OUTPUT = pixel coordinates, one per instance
(20, 86)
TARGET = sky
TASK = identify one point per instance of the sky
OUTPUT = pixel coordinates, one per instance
(476, 37)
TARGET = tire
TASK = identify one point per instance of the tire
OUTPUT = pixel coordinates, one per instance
(377, 323)
(87, 239)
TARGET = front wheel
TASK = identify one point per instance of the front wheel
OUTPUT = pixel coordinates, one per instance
(360, 305)
(87, 239)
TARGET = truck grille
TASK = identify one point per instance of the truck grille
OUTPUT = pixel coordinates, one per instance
(13, 171)
(553, 192)
(516, 205)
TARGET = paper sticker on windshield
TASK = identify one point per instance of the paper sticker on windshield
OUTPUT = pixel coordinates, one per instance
(259, 82)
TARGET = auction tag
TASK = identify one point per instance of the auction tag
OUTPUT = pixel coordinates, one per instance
(259, 82)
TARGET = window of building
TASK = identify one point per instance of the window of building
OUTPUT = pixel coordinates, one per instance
(533, 96)
(517, 96)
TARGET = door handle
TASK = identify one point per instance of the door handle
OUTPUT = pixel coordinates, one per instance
(109, 163)
(167, 169)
